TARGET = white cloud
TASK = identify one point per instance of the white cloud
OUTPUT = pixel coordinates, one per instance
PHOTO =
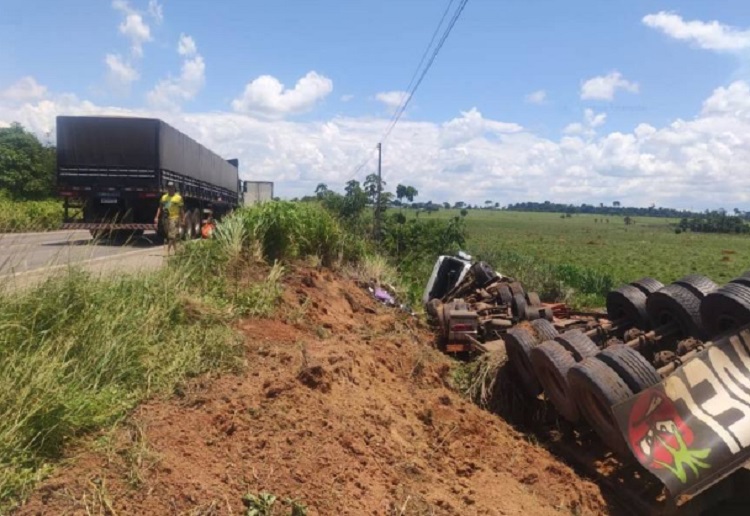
(698, 162)
(25, 89)
(707, 35)
(186, 46)
(536, 97)
(169, 93)
(120, 74)
(156, 10)
(392, 99)
(591, 120)
(122, 71)
(346, 98)
(133, 27)
(266, 96)
(604, 87)
(733, 100)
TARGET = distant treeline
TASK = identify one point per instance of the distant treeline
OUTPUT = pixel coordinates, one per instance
(716, 221)
(713, 222)
(614, 210)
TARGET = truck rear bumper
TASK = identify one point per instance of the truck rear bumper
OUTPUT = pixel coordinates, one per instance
(106, 226)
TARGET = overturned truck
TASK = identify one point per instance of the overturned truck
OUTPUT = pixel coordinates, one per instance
(662, 376)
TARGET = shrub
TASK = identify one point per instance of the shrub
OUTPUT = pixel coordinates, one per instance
(21, 216)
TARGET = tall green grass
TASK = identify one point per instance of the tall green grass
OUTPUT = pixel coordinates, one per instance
(575, 284)
(78, 352)
(24, 216)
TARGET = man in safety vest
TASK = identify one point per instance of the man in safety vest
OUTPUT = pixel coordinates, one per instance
(172, 208)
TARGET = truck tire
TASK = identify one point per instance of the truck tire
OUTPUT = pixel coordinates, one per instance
(188, 228)
(678, 305)
(578, 344)
(726, 309)
(699, 285)
(532, 298)
(519, 342)
(629, 303)
(742, 280)
(631, 366)
(648, 285)
(545, 330)
(596, 389)
(195, 220)
(506, 296)
(551, 362)
(533, 313)
(516, 288)
(518, 306)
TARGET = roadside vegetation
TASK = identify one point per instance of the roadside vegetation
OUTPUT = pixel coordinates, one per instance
(27, 180)
(78, 353)
(18, 216)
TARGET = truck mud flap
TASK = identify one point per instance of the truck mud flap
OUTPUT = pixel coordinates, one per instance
(693, 429)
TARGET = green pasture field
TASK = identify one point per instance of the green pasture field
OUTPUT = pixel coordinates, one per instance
(650, 247)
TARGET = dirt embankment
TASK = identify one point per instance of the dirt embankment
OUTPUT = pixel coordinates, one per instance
(343, 406)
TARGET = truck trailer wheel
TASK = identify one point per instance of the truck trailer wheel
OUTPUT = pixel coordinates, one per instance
(578, 344)
(195, 219)
(597, 388)
(519, 342)
(726, 309)
(677, 305)
(518, 306)
(648, 285)
(551, 363)
(629, 303)
(545, 330)
(506, 296)
(699, 285)
(631, 366)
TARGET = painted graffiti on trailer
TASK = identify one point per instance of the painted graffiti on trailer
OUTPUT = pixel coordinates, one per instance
(693, 428)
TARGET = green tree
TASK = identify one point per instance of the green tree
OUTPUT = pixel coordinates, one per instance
(27, 168)
(371, 186)
(321, 190)
(406, 192)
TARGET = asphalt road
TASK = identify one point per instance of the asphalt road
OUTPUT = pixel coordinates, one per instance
(27, 258)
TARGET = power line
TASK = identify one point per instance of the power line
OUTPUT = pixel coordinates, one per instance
(424, 54)
(412, 87)
(444, 37)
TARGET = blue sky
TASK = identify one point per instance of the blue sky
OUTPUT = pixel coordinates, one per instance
(499, 53)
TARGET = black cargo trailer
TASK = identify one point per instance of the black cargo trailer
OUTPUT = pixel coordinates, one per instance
(115, 169)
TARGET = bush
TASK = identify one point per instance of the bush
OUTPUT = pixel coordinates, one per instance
(287, 230)
(413, 246)
(22, 216)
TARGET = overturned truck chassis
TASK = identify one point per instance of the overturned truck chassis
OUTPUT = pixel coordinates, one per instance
(662, 376)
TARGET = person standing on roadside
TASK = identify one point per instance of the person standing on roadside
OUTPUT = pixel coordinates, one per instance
(172, 208)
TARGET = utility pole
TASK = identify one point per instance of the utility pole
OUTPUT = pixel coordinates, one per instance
(380, 189)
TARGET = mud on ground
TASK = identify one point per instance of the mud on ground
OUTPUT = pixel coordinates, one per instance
(343, 406)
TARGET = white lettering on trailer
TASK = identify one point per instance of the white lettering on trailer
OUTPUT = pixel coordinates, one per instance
(730, 377)
(734, 379)
(696, 372)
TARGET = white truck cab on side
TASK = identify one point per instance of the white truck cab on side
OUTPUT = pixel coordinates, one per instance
(447, 273)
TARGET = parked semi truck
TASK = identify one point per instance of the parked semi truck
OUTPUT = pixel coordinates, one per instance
(112, 171)
(257, 192)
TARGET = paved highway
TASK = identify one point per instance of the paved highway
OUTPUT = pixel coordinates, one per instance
(27, 258)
